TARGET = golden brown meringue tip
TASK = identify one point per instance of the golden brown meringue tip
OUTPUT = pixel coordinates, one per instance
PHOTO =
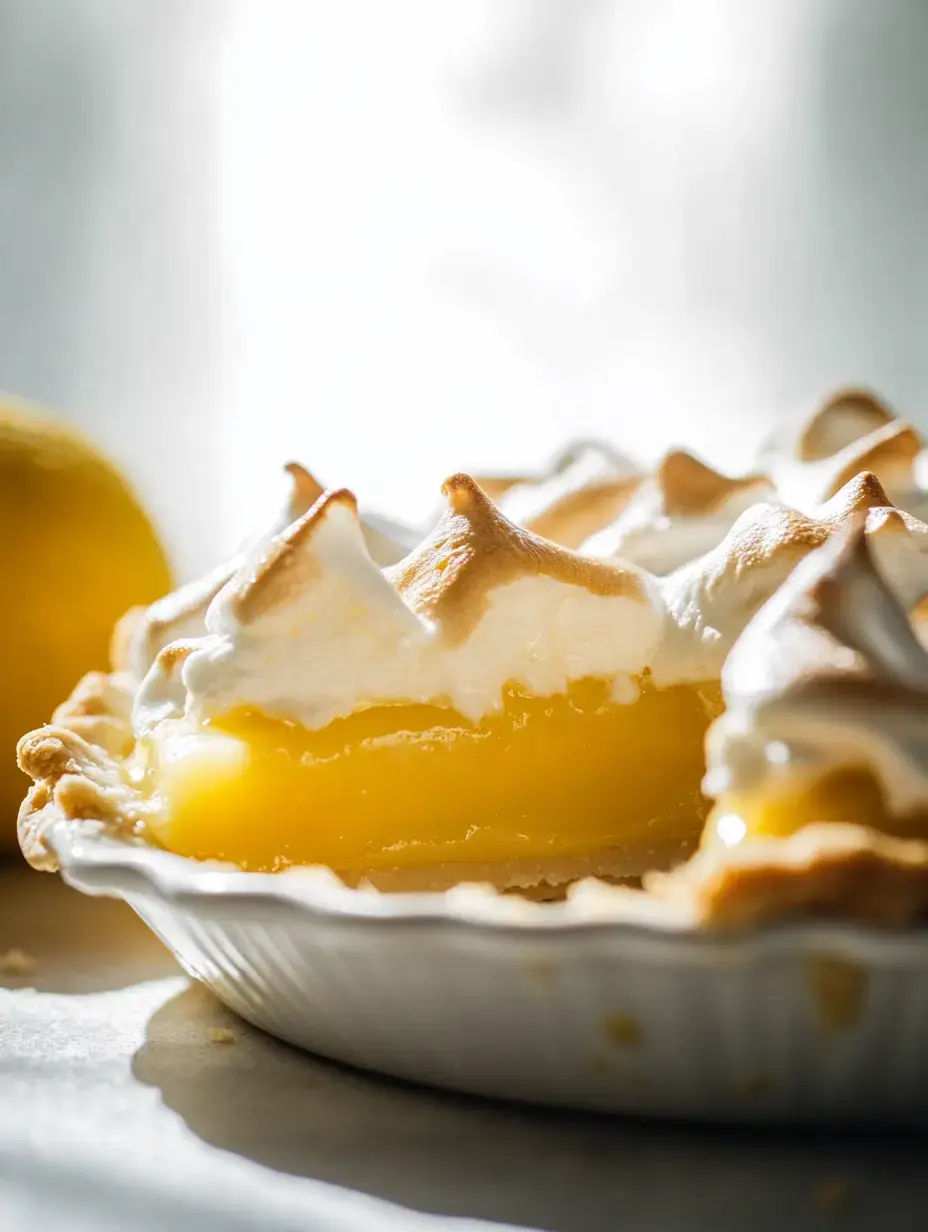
(859, 494)
(781, 529)
(864, 494)
(834, 589)
(171, 659)
(475, 549)
(305, 489)
(842, 418)
(890, 450)
(283, 566)
(569, 507)
(141, 633)
(690, 487)
(464, 495)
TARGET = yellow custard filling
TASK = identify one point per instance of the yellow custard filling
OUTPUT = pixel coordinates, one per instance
(849, 794)
(407, 786)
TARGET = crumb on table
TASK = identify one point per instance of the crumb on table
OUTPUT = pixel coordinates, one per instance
(623, 1030)
(16, 962)
(831, 1193)
(221, 1035)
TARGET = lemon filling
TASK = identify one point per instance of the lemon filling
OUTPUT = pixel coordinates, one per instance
(409, 786)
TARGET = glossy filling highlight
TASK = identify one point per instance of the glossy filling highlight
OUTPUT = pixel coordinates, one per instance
(845, 795)
(409, 786)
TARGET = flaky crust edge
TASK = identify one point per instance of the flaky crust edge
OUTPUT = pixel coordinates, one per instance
(828, 869)
(76, 764)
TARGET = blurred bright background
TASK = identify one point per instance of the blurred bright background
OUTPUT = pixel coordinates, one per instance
(398, 239)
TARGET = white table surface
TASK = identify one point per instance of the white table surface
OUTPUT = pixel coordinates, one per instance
(118, 1111)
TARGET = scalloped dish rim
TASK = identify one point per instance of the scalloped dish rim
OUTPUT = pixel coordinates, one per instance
(101, 864)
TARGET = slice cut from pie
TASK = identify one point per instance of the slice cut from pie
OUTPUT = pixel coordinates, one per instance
(482, 709)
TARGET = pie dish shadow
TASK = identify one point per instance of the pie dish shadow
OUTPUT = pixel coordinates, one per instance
(459, 1156)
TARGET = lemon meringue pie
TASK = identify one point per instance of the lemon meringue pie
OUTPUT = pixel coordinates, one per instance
(481, 709)
(493, 705)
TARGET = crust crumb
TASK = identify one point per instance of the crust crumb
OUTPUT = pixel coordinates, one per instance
(622, 1030)
(16, 962)
(831, 1194)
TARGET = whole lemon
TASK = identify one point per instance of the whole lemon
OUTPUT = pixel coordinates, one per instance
(76, 550)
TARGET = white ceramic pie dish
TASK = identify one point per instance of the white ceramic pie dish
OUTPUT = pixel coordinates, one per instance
(562, 1004)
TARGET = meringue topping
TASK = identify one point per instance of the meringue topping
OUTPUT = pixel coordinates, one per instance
(181, 615)
(587, 487)
(310, 629)
(828, 675)
(681, 511)
(710, 601)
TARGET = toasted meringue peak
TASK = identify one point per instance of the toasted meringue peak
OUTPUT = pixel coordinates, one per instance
(853, 431)
(142, 632)
(711, 600)
(835, 600)
(587, 487)
(859, 494)
(843, 417)
(311, 629)
(690, 487)
(284, 565)
(306, 488)
(828, 674)
(840, 420)
(475, 549)
(681, 511)
(888, 452)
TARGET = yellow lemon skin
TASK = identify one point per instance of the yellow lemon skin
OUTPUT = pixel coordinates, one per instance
(76, 550)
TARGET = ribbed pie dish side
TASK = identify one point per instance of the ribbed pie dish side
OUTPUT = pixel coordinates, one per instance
(566, 1004)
